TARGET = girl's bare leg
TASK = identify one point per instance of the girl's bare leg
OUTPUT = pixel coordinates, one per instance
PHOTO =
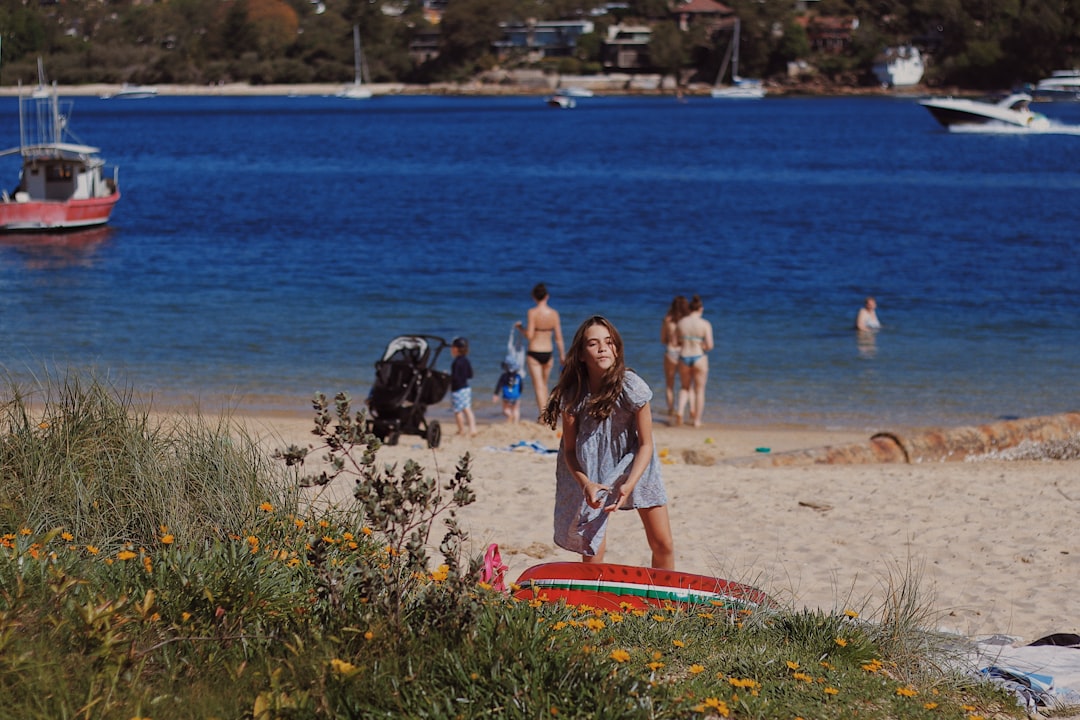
(599, 556)
(658, 532)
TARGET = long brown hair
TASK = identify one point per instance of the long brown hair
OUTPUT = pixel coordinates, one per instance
(679, 309)
(573, 381)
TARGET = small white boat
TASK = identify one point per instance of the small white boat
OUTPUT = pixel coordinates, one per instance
(561, 101)
(899, 67)
(132, 92)
(740, 88)
(1014, 110)
(358, 90)
(576, 92)
(1061, 85)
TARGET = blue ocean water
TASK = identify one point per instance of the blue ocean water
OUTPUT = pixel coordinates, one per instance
(269, 247)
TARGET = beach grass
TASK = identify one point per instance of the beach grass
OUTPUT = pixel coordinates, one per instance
(171, 569)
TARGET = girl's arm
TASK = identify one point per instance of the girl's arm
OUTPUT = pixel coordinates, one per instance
(641, 459)
(707, 345)
(529, 329)
(593, 491)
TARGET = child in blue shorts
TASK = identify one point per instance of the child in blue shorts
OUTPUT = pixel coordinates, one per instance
(460, 392)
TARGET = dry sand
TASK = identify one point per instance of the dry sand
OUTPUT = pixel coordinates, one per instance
(993, 544)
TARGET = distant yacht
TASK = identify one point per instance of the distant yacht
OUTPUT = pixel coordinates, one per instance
(132, 92)
(1061, 85)
(899, 66)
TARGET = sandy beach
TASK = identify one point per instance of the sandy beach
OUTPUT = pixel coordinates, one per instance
(992, 542)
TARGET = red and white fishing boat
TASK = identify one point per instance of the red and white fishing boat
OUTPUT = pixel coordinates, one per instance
(63, 185)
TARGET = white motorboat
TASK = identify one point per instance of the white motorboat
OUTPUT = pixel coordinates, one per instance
(740, 88)
(132, 92)
(560, 101)
(1061, 85)
(576, 91)
(899, 66)
(1014, 110)
(358, 90)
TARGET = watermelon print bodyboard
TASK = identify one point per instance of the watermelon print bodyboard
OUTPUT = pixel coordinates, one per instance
(613, 587)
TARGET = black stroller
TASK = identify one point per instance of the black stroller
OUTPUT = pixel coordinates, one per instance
(406, 382)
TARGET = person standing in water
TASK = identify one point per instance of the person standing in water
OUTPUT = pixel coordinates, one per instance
(669, 338)
(695, 339)
(543, 331)
(867, 318)
(607, 458)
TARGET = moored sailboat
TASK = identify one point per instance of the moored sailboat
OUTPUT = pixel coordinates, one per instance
(740, 88)
(358, 90)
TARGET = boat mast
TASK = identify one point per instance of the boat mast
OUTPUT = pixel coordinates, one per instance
(357, 67)
(735, 53)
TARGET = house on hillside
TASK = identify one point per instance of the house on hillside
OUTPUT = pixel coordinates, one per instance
(626, 48)
(540, 39)
(708, 14)
(829, 34)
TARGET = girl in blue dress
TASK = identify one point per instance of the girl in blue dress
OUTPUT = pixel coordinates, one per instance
(607, 459)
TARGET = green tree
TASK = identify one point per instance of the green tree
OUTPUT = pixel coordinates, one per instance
(668, 52)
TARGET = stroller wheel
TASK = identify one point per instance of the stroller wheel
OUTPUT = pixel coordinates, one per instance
(392, 437)
(434, 434)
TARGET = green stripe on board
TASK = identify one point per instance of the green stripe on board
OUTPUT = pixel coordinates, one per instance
(654, 592)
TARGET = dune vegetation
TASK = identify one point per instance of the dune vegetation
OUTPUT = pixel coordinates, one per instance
(171, 569)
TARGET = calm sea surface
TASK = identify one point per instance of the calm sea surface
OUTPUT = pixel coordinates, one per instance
(267, 248)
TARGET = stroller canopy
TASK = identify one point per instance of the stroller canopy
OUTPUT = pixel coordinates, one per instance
(413, 349)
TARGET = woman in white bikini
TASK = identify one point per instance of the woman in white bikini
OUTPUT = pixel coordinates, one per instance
(543, 331)
(695, 339)
(669, 337)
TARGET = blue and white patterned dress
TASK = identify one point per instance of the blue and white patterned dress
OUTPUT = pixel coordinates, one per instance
(605, 451)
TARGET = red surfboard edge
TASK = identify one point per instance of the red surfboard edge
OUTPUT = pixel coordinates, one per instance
(614, 587)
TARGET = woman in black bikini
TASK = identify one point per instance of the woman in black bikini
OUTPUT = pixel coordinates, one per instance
(543, 331)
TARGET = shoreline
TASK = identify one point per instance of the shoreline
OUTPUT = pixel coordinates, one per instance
(628, 86)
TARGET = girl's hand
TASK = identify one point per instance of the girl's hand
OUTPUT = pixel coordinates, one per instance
(622, 494)
(594, 494)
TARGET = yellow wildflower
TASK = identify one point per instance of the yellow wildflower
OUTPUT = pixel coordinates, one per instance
(594, 624)
(792, 665)
(298, 523)
(655, 665)
(26, 531)
(441, 573)
(345, 669)
(659, 618)
(718, 705)
(831, 691)
(851, 613)
(930, 705)
(366, 531)
(841, 642)
(620, 656)
(678, 643)
(907, 691)
(125, 555)
(695, 669)
(266, 507)
(803, 676)
(369, 635)
(167, 539)
(66, 536)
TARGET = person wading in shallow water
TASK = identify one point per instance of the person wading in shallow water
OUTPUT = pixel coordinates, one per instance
(543, 331)
(695, 339)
